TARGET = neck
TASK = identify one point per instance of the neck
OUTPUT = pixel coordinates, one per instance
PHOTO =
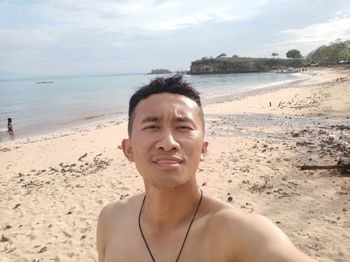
(166, 208)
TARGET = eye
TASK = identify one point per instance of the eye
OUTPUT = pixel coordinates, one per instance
(185, 128)
(150, 127)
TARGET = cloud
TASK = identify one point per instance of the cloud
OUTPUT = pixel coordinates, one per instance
(25, 38)
(309, 37)
(320, 32)
(127, 34)
(146, 15)
(120, 22)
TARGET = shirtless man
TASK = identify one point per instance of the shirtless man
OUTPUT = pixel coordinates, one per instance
(173, 220)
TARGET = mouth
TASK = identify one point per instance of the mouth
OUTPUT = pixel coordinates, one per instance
(167, 162)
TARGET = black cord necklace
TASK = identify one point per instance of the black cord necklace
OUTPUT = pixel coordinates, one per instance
(188, 229)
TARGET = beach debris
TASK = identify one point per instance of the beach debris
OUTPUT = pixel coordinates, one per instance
(53, 169)
(248, 206)
(260, 188)
(343, 164)
(337, 166)
(7, 227)
(4, 238)
(295, 134)
(43, 249)
(68, 171)
(326, 143)
(123, 196)
(229, 199)
(5, 149)
(17, 205)
(247, 182)
(83, 156)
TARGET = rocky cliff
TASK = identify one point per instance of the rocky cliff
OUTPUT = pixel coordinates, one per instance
(226, 65)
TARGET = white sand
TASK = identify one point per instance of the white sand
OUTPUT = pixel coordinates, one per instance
(51, 193)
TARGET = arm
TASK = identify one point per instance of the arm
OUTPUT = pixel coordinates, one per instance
(271, 243)
(100, 236)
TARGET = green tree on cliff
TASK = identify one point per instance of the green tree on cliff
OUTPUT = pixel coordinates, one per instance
(294, 54)
(221, 55)
(274, 55)
(332, 53)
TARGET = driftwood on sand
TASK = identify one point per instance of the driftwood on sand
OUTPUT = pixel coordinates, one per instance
(337, 166)
(343, 164)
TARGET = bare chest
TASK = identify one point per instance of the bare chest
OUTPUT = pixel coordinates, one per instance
(139, 253)
(130, 246)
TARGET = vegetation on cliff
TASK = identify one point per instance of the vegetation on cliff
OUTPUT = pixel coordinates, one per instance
(159, 71)
(294, 54)
(334, 53)
(235, 64)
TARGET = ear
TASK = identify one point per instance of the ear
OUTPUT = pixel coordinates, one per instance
(127, 149)
(204, 150)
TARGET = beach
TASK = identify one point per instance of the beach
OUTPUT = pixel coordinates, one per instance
(53, 187)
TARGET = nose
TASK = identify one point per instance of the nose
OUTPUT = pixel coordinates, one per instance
(167, 142)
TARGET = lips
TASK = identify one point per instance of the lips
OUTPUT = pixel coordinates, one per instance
(167, 160)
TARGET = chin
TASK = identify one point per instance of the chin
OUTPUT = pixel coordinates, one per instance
(168, 182)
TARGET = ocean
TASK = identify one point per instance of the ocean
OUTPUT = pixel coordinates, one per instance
(41, 106)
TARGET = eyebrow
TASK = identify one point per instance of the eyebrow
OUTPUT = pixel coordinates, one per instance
(156, 118)
(150, 119)
(184, 119)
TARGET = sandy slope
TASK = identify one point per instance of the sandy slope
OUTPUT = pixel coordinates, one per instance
(52, 189)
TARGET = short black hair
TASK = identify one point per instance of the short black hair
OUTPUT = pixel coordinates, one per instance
(174, 84)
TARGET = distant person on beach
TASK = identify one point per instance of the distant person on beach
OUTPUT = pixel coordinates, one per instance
(174, 220)
(10, 128)
(9, 125)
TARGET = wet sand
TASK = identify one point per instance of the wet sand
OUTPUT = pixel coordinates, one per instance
(52, 188)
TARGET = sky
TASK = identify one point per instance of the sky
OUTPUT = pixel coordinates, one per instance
(72, 37)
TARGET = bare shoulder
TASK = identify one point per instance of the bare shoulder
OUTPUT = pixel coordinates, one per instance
(113, 219)
(239, 221)
(119, 210)
(250, 236)
(224, 219)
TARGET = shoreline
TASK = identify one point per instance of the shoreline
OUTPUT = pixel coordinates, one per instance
(53, 188)
(256, 90)
(92, 121)
(87, 127)
(288, 96)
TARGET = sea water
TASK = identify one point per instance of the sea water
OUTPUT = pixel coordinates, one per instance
(38, 107)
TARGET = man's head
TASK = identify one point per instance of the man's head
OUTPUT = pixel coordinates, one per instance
(173, 85)
(166, 133)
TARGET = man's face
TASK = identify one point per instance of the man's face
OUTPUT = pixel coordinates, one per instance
(167, 140)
